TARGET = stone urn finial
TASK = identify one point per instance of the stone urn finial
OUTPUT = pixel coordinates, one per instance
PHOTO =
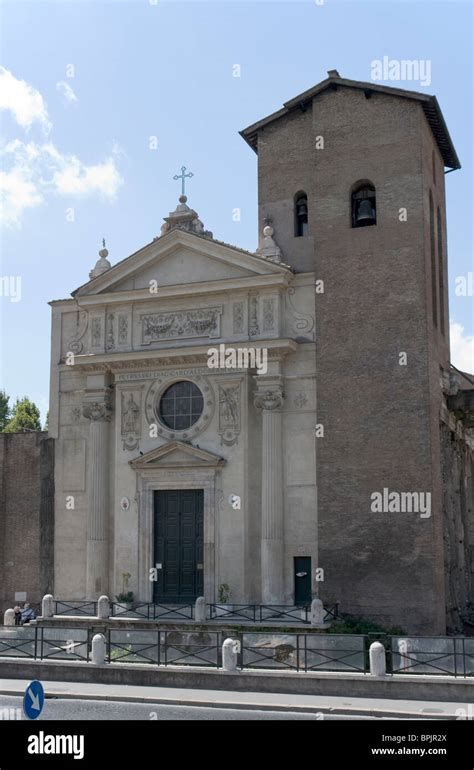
(269, 248)
(102, 264)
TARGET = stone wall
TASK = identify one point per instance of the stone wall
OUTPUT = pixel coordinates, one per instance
(26, 516)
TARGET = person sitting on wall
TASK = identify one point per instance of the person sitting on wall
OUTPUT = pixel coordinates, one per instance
(27, 614)
(17, 611)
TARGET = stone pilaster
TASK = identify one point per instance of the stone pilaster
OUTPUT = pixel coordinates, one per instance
(97, 410)
(269, 398)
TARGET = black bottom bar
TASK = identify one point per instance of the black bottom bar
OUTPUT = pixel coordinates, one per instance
(423, 743)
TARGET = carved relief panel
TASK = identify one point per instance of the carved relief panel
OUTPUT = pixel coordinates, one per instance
(97, 332)
(131, 408)
(238, 317)
(229, 412)
(118, 329)
(264, 315)
(180, 324)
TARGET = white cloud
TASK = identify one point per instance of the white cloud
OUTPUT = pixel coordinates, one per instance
(75, 178)
(32, 171)
(37, 169)
(17, 193)
(66, 92)
(462, 348)
(23, 101)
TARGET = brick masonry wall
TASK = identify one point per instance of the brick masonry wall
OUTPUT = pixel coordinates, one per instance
(458, 483)
(26, 516)
(381, 420)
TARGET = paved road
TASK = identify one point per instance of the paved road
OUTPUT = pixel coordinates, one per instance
(58, 708)
(193, 703)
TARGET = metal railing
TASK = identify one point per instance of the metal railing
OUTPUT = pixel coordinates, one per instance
(258, 613)
(304, 652)
(434, 655)
(332, 612)
(274, 650)
(253, 613)
(234, 611)
(133, 647)
(18, 641)
(75, 607)
(45, 643)
(164, 648)
(149, 611)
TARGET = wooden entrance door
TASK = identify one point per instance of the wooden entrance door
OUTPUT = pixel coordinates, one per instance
(178, 545)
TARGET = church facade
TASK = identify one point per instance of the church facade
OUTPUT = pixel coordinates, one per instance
(158, 433)
(234, 425)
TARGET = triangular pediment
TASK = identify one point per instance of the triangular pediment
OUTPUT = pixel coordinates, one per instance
(180, 258)
(177, 454)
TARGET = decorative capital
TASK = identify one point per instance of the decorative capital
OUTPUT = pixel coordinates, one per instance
(98, 411)
(269, 400)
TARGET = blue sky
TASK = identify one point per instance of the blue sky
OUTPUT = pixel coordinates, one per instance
(76, 150)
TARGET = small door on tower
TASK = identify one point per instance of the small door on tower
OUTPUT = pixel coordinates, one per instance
(302, 579)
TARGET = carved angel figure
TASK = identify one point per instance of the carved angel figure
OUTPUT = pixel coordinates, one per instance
(130, 415)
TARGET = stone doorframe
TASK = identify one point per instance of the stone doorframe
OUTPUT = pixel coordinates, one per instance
(175, 478)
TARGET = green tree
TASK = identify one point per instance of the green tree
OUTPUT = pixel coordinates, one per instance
(25, 417)
(46, 422)
(4, 410)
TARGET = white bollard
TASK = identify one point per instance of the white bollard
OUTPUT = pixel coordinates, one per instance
(317, 612)
(9, 618)
(200, 610)
(98, 649)
(47, 606)
(230, 650)
(103, 608)
(378, 665)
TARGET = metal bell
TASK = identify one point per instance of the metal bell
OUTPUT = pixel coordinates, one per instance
(365, 212)
(302, 210)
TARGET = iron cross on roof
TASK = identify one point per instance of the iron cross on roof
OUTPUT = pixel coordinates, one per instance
(183, 176)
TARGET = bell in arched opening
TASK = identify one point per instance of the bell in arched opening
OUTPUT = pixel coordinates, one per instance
(365, 213)
(301, 215)
(363, 206)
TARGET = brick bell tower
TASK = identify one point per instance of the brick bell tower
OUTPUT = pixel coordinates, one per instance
(352, 176)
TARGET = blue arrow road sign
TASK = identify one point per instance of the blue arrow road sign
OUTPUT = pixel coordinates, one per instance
(33, 701)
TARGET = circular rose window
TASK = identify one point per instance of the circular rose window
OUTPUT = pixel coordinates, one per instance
(181, 405)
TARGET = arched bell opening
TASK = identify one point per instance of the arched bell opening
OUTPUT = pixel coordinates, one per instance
(363, 205)
(301, 214)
